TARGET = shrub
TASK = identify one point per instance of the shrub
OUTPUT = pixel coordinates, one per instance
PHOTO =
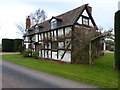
(35, 54)
(27, 53)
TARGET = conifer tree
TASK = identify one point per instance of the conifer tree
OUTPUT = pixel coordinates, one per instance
(117, 40)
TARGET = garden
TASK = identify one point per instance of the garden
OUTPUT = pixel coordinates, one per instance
(101, 74)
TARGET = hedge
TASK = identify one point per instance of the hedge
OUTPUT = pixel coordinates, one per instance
(117, 40)
(11, 45)
(17, 44)
(7, 45)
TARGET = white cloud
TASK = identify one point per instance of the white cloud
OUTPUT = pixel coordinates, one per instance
(10, 16)
(15, 11)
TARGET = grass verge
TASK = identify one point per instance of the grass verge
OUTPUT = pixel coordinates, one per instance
(101, 74)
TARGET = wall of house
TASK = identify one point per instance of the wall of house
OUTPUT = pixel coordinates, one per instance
(54, 44)
(81, 21)
(55, 49)
(27, 44)
(66, 58)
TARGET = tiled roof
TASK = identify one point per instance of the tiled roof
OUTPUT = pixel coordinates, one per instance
(68, 18)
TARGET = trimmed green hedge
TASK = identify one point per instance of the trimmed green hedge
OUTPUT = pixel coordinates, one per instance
(11, 45)
(7, 45)
(17, 44)
(117, 40)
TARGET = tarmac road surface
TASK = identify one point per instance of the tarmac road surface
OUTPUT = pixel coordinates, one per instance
(16, 76)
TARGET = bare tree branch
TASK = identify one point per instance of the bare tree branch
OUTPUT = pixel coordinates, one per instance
(21, 27)
(38, 16)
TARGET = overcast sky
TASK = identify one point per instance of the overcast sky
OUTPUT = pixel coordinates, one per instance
(14, 12)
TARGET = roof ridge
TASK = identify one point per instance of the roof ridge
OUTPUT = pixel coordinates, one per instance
(64, 13)
(71, 10)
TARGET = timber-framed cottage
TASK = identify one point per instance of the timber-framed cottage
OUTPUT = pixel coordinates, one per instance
(58, 37)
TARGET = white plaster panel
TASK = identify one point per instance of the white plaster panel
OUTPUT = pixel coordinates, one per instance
(60, 32)
(39, 37)
(36, 38)
(67, 30)
(42, 36)
(27, 45)
(90, 23)
(42, 53)
(54, 55)
(67, 56)
(49, 54)
(85, 13)
(79, 20)
(45, 54)
(39, 54)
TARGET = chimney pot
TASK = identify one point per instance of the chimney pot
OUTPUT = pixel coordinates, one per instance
(90, 9)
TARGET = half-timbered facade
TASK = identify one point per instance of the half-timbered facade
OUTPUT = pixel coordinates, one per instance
(54, 38)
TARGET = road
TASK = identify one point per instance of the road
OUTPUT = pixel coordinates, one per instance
(16, 76)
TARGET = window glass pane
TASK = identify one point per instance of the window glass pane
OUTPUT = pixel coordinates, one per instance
(85, 21)
(53, 24)
(37, 30)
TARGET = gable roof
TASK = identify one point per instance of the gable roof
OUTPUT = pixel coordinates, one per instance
(68, 18)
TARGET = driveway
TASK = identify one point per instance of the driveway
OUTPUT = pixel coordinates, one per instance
(16, 76)
(5, 53)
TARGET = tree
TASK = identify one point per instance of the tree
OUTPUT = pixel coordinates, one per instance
(108, 33)
(117, 40)
(21, 28)
(38, 16)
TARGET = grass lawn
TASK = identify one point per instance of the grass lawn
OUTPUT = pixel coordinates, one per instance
(101, 74)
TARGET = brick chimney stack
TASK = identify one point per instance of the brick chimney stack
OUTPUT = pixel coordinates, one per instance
(28, 22)
(90, 9)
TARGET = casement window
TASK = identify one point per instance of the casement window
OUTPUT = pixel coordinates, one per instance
(53, 23)
(85, 21)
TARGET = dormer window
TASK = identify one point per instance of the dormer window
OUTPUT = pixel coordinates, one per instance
(53, 23)
(37, 29)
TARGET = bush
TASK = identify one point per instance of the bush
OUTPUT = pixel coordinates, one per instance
(35, 54)
(27, 53)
